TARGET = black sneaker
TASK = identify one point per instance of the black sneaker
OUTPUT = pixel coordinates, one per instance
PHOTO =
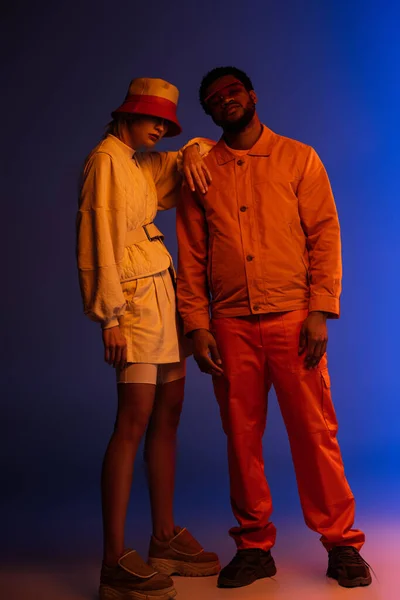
(347, 566)
(246, 567)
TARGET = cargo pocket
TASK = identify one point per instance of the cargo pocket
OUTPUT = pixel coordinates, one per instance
(327, 404)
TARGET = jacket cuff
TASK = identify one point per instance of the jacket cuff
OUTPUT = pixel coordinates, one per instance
(204, 146)
(326, 304)
(200, 321)
(110, 323)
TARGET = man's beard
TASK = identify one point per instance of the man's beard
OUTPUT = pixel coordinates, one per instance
(240, 124)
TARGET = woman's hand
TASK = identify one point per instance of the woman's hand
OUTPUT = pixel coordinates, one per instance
(195, 169)
(115, 347)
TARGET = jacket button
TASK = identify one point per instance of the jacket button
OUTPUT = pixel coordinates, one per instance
(243, 208)
(240, 162)
(249, 257)
(256, 307)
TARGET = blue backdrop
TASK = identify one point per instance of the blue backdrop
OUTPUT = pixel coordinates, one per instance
(326, 73)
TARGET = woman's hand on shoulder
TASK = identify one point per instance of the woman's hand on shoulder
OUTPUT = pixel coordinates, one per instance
(195, 170)
(115, 347)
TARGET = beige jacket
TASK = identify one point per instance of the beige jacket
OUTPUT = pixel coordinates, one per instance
(120, 191)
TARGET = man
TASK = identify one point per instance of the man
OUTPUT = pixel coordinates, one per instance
(261, 249)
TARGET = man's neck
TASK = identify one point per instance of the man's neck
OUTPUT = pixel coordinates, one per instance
(246, 138)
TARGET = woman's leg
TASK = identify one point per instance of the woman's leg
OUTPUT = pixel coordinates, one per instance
(135, 404)
(160, 448)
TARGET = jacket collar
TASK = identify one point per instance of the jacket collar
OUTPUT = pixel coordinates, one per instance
(262, 147)
(126, 150)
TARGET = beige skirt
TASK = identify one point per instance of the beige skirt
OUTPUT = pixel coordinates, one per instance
(150, 323)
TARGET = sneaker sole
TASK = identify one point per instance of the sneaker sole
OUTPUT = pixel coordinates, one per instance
(185, 569)
(108, 593)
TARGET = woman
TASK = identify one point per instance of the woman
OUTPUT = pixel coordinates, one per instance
(126, 277)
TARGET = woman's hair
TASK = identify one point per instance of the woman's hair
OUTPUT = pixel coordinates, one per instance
(118, 121)
(217, 73)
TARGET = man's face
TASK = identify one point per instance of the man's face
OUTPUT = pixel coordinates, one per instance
(230, 105)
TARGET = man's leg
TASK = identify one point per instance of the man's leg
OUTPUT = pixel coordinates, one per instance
(307, 409)
(305, 400)
(242, 396)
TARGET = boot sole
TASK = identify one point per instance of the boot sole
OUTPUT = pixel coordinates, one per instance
(352, 583)
(232, 583)
(185, 569)
(108, 593)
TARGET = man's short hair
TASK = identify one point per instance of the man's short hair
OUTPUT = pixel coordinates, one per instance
(217, 73)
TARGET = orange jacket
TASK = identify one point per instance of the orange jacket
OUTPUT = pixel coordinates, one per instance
(264, 239)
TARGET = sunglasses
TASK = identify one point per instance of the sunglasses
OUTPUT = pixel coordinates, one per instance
(231, 90)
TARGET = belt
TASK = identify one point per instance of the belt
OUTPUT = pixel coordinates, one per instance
(146, 232)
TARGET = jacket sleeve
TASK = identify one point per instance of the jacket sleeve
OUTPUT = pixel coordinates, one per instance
(166, 169)
(101, 229)
(320, 223)
(192, 285)
(204, 144)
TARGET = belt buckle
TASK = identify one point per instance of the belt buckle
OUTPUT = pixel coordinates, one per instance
(155, 237)
(147, 233)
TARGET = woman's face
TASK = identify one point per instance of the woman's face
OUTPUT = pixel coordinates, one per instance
(146, 131)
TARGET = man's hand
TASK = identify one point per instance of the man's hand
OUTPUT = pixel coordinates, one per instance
(114, 347)
(195, 170)
(313, 338)
(206, 353)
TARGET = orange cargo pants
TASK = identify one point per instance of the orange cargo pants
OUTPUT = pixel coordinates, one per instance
(258, 351)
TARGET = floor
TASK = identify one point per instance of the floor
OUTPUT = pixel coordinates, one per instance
(298, 555)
